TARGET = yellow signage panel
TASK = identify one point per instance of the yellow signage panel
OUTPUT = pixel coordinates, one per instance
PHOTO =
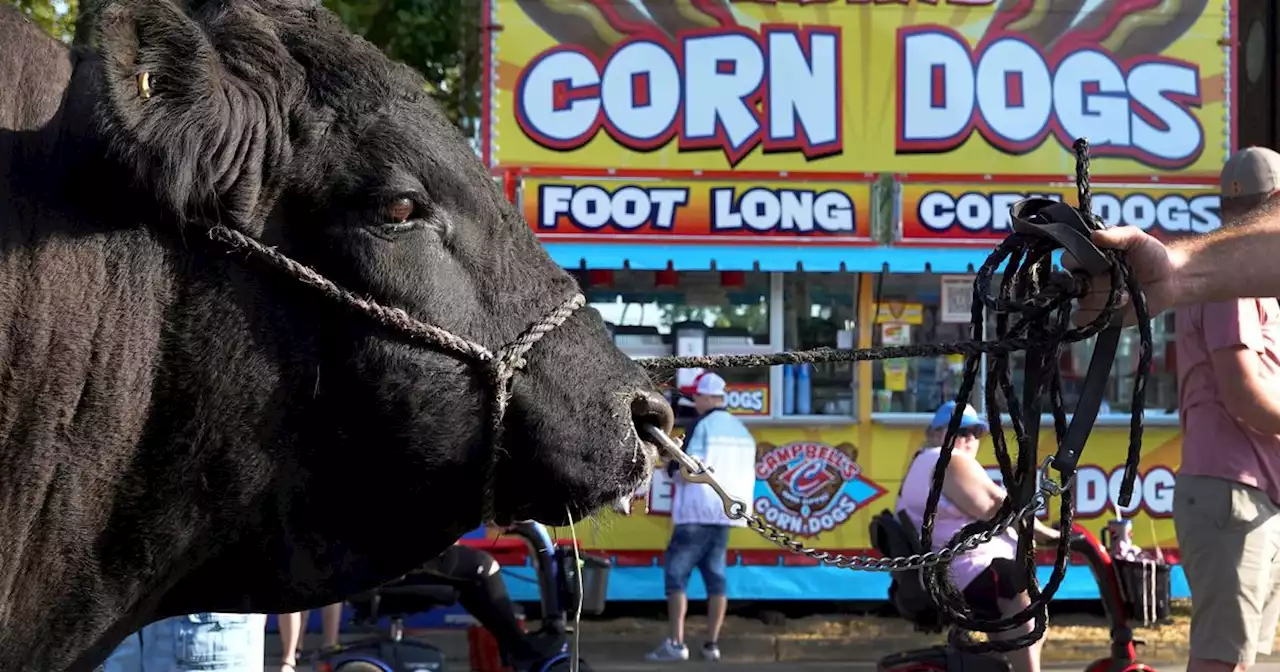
(939, 213)
(698, 211)
(969, 87)
(819, 485)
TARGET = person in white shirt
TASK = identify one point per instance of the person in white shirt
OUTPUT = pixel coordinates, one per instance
(700, 537)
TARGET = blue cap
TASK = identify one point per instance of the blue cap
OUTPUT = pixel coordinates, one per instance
(969, 418)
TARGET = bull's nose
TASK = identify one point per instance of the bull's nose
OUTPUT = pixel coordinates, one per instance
(648, 408)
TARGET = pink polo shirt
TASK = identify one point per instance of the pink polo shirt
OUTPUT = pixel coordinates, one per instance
(1215, 443)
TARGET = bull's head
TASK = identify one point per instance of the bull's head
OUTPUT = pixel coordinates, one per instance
(308, 424)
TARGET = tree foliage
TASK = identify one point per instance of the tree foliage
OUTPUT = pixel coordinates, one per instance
(439, 38)
(56, 18)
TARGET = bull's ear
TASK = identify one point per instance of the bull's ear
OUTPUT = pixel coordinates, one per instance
(170, 111)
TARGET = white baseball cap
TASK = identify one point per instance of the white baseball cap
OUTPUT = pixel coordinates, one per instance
(710, 385)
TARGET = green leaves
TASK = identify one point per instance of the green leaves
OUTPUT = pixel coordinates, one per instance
(56, 18)
(438, 38)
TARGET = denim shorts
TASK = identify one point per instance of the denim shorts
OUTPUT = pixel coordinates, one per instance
(701, 546)
(206, 642)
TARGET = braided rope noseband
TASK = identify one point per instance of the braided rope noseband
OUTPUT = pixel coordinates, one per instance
(500, 367)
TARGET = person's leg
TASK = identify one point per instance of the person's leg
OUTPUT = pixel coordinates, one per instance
(127, 657)
(1225, 541)
(712, 567)
(1271, 608)
(161, 645)
(206, 641)
(996, 592)
(682, 554)
(1025, 659)
(292, 628)
(331, 624)
(677, 611)
(257, 641)
(481, 591)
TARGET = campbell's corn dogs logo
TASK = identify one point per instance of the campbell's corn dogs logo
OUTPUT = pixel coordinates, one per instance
(1056, 68)
(809, 487)
(735, 78)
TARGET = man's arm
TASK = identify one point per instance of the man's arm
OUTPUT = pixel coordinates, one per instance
(1240, 260)
(1243, 395)
(1233, 335)
(1236, 261)
(970, 489)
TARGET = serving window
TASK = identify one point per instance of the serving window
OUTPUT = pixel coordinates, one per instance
(910, 310)
(929, 309)
(1162, 383)
(711, 312)
(692, 312)
(820, 311)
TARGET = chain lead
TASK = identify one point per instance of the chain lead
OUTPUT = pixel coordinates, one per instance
(694, 471)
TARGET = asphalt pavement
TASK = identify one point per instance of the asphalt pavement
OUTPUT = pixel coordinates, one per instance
(690, 666)
(823, 667)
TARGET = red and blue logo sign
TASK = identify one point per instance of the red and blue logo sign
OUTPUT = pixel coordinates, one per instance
(806, 488)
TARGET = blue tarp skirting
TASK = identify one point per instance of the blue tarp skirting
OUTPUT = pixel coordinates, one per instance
(745, 583)
(868, 259)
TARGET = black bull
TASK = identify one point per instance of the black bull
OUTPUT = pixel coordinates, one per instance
(183, 431)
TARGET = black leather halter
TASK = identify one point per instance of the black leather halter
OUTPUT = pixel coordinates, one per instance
(1063, 225)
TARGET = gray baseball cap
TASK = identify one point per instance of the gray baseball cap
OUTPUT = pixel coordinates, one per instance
(1251, 172)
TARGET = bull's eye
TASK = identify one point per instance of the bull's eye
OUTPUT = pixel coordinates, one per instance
(400, 211)
(398, 214)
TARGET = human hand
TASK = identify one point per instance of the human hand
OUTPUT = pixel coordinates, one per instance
(1154, 265)
(1045, 534)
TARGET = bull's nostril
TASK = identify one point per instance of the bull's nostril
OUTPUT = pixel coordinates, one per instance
(648, 408)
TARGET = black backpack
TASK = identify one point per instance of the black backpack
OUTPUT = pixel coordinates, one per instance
(895, 536)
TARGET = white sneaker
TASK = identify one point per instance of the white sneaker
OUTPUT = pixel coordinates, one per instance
(711, 652)
(668, 650)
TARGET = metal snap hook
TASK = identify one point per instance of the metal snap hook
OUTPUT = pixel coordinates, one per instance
(1048, 484)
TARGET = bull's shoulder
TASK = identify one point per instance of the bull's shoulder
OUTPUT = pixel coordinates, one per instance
(34, 72)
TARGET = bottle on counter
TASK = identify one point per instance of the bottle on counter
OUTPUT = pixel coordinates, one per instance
(788, 389)
(804, 400)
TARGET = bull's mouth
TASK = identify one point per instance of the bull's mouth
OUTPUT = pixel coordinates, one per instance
(633, 483)
(648, 457)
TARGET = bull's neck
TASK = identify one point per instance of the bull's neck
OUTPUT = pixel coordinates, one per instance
(126, 384)
(84, 314)
(94, 308)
